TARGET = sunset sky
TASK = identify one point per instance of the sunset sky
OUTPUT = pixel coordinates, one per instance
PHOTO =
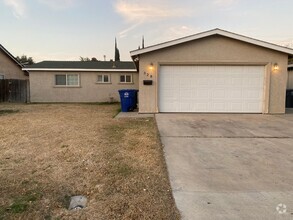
(68, 29)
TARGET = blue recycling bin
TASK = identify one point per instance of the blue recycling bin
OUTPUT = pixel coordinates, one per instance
(128, 99)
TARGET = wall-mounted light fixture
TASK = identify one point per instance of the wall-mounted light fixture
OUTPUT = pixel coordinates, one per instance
(151, 66)
(275, 67)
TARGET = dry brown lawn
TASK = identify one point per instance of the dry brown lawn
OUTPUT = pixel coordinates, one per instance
(50, 152)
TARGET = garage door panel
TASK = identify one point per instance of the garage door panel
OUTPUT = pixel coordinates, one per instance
(211, 89)
(219, 81)
(202, 93)
(218, 94)
(234, 94)
(220, 106)
(201, 107)
(252, 94)
(202, 81)
(186, 93)
(252, 105)
(236, 107)
(237, 82)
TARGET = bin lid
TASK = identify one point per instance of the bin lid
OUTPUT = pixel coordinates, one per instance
(128, 90)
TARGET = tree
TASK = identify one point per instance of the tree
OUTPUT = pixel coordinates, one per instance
(117, 54)
(25, 60)
(142, 44)
(84, 59)
(87, 59)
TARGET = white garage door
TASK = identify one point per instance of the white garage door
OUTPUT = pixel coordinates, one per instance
(237, 89)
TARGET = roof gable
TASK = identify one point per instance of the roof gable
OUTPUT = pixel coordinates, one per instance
(211, 33)
(11, 56)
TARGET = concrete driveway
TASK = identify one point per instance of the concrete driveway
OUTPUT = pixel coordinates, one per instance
(229, 166)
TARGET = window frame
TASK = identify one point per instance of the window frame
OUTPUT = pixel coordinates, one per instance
(103, 78)
(2, 75)
(66, 80)
(125, 77)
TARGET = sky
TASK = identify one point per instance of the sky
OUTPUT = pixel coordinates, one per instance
(68, 29)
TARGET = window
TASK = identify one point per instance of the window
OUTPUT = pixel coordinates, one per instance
(67, 80)
(60, 80)
(103, 78)
(1, 76)
(127, 78)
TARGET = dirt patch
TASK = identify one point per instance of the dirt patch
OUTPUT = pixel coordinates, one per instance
(50, 152)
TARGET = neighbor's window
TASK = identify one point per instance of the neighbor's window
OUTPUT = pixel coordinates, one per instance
(126, 78)
(67, 80)
(103, 78)
(1, 76)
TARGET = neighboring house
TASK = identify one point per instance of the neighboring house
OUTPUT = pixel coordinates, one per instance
(80, 81)
(10, 68)
(214, 71)
(290, 77)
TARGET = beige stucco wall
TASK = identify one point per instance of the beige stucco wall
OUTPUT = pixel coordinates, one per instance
(43, 89)
(9, 68)
(290, 79)
(215, 50)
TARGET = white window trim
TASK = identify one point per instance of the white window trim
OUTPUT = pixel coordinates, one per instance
(125, 78)
(78, 78)
(103, 79)
(2, 75)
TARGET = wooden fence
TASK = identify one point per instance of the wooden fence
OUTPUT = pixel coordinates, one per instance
(14, 90)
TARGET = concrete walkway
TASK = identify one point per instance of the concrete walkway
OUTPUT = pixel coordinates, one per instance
(133, 115)
(233, 166)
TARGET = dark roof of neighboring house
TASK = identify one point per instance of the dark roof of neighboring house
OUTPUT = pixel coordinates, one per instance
(12, 57)
(82, 65)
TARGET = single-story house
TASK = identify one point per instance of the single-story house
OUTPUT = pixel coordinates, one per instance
(212, 72)
(80, 81)
(10, 67)
(290, 77)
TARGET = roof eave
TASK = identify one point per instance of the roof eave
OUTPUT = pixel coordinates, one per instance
(78, 70)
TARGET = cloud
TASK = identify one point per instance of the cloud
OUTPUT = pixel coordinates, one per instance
(137, 14)
(134, 11)
(58, 4)
(125, 31)
(181, 31)
(173, 32)
(18, 7)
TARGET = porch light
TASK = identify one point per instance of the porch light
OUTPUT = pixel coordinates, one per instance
(151, 66)
(275, 67)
